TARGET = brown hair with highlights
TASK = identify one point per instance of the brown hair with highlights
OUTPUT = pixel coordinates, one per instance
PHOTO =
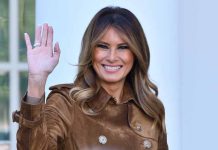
(129, 27)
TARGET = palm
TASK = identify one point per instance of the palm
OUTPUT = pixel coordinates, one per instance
(40, 60)
(43, 58)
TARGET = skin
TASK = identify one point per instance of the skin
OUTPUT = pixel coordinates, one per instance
(41, 59)
(112, 61)
(111, 51)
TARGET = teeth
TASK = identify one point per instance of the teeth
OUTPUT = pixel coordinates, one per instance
(112, 68)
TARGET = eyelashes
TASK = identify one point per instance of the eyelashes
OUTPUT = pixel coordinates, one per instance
(123, 47)
(104, 46)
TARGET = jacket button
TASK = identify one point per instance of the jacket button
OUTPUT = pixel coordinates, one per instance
(102, 139)
(138, 127)
(147, 144)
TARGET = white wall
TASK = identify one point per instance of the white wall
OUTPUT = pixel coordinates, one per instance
(199, 88)
(160, 22)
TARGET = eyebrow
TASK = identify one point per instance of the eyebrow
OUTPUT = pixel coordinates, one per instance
(105, 43)
(101, 42)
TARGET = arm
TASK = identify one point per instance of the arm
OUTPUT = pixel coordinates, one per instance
(34, 118)
(41, 59)
(42, 126)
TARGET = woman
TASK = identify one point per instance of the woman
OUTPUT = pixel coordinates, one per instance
(111, 105)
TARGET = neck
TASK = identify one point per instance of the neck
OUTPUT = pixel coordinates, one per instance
(114, 89)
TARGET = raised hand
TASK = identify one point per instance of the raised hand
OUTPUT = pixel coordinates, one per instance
(42, 58)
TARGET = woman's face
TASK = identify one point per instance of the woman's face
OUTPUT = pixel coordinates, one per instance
(112, 60)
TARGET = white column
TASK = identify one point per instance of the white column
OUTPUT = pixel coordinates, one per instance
(14, 78)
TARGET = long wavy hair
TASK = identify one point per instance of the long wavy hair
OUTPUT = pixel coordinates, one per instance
(131, 30)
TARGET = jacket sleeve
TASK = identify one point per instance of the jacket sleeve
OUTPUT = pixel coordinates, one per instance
(43, 126)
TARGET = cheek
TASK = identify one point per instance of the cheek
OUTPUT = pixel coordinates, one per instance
(97, 56)
(129, 59)
(97, 59)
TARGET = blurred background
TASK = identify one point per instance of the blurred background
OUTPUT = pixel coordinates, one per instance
(182, 35)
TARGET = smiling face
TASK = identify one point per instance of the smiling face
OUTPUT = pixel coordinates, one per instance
(112, 59)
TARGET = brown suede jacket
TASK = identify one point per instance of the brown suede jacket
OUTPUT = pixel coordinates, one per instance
(61, 124)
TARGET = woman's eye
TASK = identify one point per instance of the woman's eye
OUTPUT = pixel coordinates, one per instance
(123, 47)
(102, 46)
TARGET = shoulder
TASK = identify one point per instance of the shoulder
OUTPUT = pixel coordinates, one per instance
(59, 105)
(61, 88)
(60, 92)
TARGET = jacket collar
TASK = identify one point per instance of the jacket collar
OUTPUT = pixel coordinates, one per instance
(100, 100)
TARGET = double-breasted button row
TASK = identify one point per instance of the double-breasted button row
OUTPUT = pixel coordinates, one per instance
(147, 144)
(103, 140)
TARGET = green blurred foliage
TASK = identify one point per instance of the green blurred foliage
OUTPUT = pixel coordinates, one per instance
(4, 55)
(4, 106)
(26, 24)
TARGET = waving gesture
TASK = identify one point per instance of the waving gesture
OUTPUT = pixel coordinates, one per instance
(42, 58)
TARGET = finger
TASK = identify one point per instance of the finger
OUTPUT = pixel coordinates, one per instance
(44, 34)
(50, 37)
(57, 50)
(27, 41)
(38, 34)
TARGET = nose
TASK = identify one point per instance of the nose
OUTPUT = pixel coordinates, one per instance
(112, 55)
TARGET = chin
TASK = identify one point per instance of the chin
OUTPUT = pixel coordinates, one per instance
(112, 80)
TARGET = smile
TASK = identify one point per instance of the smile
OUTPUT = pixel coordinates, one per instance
(111, 68)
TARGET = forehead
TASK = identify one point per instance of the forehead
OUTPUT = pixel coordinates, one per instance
(112, 34)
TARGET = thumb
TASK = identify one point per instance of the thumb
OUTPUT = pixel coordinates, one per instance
(57, 50)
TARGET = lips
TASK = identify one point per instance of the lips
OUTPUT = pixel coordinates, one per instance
(112, 68)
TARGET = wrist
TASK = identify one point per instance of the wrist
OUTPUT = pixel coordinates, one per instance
(36, 85)
(37, 77)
